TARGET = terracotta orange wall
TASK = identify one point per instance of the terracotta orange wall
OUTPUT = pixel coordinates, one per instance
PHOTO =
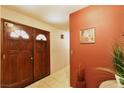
(109, 24)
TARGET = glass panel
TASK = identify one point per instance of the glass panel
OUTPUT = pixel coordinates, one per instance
(41, 37)
(19, 33)
(24, 35)
(15, 34)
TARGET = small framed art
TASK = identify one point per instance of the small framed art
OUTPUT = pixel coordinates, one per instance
(87, 36)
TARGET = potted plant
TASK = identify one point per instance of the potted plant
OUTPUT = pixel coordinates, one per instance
(118, 62)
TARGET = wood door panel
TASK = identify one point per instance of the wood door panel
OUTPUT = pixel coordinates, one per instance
(12, 45)
(10, 75)
(26, 66)
(39, 67)
(26, 59)
(40, 57)
(10, 63)
(26, 53)
(17, 70)
(40, 61)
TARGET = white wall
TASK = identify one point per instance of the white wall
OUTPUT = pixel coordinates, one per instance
(59, 48)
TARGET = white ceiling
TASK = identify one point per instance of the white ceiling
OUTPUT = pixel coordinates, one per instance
(55, 15)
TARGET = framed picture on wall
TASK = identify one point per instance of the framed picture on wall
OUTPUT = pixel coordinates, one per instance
(87, 36)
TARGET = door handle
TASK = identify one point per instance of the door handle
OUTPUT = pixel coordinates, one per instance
(31, 58)
(3, 56)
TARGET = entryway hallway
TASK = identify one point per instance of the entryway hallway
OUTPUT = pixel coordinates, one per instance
(59, 79)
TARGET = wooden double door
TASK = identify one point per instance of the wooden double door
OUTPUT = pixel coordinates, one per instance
(25, 54)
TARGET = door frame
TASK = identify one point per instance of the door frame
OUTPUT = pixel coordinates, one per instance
(47, 33)
(2, 47)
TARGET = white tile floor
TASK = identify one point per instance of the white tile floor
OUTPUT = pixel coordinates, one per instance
(59, 79)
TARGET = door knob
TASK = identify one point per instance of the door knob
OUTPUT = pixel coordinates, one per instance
(3, 56)
(32, 58)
